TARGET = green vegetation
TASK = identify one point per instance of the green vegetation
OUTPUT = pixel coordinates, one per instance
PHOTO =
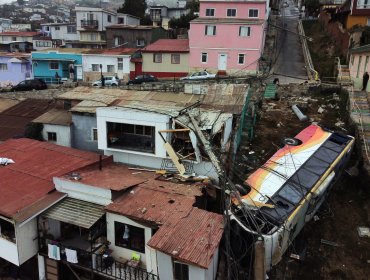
(134, 7)
(184, 20)
(323, 49)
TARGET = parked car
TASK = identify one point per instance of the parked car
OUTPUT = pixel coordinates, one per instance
(199, 76)
(108, 81)
(145, 78)
(35, 84)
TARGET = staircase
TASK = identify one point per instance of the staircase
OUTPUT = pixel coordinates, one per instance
(360, 115)
(344, 76)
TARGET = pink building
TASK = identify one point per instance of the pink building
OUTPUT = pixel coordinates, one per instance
(228, 36)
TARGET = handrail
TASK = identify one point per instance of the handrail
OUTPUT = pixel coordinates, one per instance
(356, 107)
(312, 73)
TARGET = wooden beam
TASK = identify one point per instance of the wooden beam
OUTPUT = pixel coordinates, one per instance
(175, 130)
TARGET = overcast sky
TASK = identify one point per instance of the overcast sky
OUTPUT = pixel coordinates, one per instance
(5, 1)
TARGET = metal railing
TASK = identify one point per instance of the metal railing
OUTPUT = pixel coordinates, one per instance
(312, 73)
(89, 24)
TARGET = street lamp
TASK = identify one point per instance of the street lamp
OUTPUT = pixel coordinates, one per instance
(101, 76)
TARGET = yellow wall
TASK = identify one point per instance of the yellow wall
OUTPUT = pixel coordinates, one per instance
(166, 65)
(353, 20)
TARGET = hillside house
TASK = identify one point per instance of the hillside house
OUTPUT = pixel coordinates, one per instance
(14, 68)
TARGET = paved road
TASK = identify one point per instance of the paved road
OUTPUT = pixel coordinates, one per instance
(289, 66)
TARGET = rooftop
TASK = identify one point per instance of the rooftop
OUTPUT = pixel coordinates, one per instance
(55, 116)
(192, 239)
(29, 179)
(168, 45)
(14, 119)
(6, 103)
(113, 51)
(20, 33)
(137, 27)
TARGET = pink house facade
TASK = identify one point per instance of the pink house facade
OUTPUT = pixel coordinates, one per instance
(229, 36)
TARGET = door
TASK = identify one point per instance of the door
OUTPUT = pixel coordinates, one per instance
(79, 72)
(222, 61)
(138, 68)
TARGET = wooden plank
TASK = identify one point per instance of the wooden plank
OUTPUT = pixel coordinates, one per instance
(175, 130)
(52, 270)
(51, 262)
(51, 277)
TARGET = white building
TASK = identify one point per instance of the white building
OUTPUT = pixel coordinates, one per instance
(65, 33)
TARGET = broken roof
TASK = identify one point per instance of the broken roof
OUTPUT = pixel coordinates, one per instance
(192, 239)
(55, 116)
(14, 119)
(29, 179)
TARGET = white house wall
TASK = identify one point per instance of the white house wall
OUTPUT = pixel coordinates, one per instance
(9, 251)
(131, 116)
(104, 60)
(62, 33)
(27, 241)
(148, 258)
(78, 190)
(211, 272)
(63, 134)
(165, 269)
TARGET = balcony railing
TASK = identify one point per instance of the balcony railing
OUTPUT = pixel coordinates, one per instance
(89, 24)
(100, 263)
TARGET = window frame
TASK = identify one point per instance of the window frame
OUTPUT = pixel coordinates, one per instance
(53, 62)
(239, 56)
(109, 18)
(94, 66)
(173, 61)
(253, 10)
(155, 58)
(52, 136)
(138, 41)
(94, 134)
(57, 28)
(119, 63)
(201, 57)
(248, 33)
(210, 9)
(136, 230)
(183, 265)
(111, 65)
(214, 30)
(2, 68)
(231, 9)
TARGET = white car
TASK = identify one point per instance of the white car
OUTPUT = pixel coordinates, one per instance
(108, 81)
(199, 76)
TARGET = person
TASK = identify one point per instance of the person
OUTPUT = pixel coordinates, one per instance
(365, 79)
(102, 81)
(71, 72)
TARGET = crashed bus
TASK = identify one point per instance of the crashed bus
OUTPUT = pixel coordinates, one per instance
(281, 196)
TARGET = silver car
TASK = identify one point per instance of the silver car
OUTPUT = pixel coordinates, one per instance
(108, 81)
(199, 76)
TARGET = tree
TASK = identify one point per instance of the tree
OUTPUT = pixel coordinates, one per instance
(193, 6)
(312, 6)
(184, 20)
(20, 2)
(134, 7)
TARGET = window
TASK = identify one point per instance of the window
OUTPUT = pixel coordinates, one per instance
(7, 230)
(3, 67)
(210, 12)
(71, 29)
(118, 40)
(14, 38)
(95, 67)
(93, 37)
(121, 20)
(241, 57)
(109, 18)
(253, 13)
(52, 136)
(140, 42)
(54, 65)
(204, 57)
(110, 68)
(175, 58)
(57, 28)
(120, 63)
(231, 12)
(131, 137)
(94, 134)
(244, 31)
(180, 271)
(157, 58)
(43, 44)
(67, 104)
(129, 237)
(210, 30)
(47, 28)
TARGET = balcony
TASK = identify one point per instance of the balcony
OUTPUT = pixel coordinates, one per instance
(99, 261)
(90, 24)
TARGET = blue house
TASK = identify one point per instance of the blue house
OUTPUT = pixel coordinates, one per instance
(58, 65)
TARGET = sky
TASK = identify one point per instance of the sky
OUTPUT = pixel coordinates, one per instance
(6, 1)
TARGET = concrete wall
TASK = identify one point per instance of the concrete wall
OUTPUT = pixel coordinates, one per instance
(63, 134)
(82, 137)
(98, 14)
(242, 9)
(27, 241)
(148, 258)
(358, 69)
(15, 73)
(166, 68)
(9, 250)
(62, 33)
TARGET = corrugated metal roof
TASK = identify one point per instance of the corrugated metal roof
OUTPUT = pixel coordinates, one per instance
(192, 239)
(55, 116)
(168, 45)
(14, 120)
(7, 103)
(29, 179)
(77, 212)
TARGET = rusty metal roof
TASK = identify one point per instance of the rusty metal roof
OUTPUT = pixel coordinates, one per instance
(113, 176)
(14, 119)
(29, 179)
(55, 116)
(192, 239)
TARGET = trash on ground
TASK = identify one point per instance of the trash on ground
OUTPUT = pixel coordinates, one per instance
(363, 231)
